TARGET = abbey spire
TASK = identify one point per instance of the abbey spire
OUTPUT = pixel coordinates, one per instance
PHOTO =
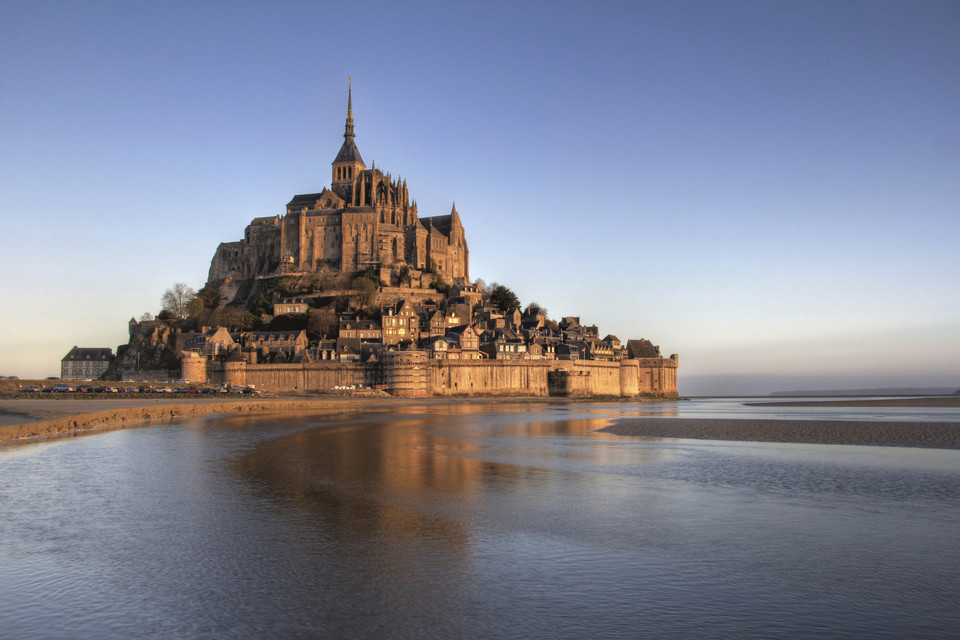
(348, 130)
(348, 164)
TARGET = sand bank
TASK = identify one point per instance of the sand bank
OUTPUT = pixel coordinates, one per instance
(21, 419)
(943, 435)
(937, 401)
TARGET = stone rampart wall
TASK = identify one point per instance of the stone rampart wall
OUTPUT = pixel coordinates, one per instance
(402, 376)
(275, 378)
(490, 377)
(603, 377)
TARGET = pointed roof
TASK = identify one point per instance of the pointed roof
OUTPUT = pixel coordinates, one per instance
(349, 151)
(642, 348)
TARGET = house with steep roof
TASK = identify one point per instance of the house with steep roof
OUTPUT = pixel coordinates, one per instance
(362, 329)
(210, 341)
(266, 346)
(293, 305)
(468, 342)
(85, 363)
(642, 348)
(349, 349)
(400, 323)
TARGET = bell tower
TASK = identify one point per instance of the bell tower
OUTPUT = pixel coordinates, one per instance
(348, 165)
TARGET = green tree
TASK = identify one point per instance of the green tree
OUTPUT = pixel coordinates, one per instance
(439, 285)
(285, 286)
(260, 306)
(504, 299)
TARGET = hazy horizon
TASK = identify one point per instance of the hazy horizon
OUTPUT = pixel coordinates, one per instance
(769, 190)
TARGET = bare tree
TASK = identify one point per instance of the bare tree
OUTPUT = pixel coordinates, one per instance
(177, 298)
(322, 323)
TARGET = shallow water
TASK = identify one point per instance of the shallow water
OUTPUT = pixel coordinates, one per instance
(447, 522)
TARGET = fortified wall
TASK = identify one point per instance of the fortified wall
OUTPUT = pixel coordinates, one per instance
(412, 374)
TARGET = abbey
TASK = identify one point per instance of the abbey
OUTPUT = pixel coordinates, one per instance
(364, 219)
(350, 287)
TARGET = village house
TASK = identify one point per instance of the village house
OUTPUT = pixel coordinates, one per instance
(262, 347)
(400, 323)
(293, 304)
(85, 363)
(361, 329)
(210, 342)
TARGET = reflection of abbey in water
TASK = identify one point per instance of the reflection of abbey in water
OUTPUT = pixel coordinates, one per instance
(354, 288)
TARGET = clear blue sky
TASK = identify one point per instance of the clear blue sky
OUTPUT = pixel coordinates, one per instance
(769, 188)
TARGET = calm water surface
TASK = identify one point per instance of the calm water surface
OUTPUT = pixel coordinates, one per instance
(468, 522)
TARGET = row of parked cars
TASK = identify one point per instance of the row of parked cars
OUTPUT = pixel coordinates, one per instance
(63, 387)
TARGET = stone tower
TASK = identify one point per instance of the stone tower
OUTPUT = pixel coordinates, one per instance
(348, 165)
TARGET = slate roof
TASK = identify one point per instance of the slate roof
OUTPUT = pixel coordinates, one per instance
(440, 223)
(349, 152)
(305, 198)
(85, 353)
(642, 349)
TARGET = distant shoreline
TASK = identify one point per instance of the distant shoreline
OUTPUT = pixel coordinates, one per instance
(940, 435)
(936, 401)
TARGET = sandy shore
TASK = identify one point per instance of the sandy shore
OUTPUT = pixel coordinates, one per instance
(30, 418)
(942, 435)
(38, 417)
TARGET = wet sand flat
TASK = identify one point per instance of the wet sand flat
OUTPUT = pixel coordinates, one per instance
(943, 435)
(937, 401)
